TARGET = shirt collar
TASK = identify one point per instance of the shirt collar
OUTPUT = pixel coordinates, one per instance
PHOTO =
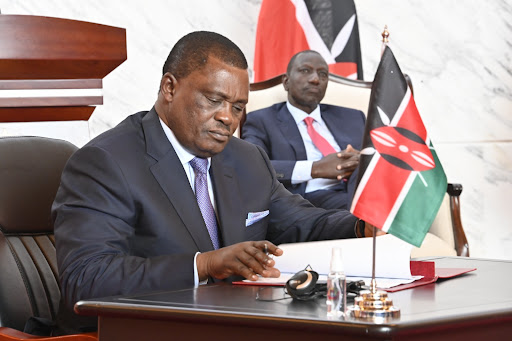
(184, 156)
(299, 115)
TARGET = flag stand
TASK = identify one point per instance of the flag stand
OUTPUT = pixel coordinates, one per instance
(373, 305)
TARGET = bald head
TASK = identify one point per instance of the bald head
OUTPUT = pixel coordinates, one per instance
(294, 57)
(306, 80)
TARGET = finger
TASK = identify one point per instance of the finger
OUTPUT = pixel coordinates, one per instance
(348, 165)
(267, 273)
(346, 156)
(273, 273)
(278, 252)
(270, 248)
(350, 149)
(265, 258)
(255, 260)
(248, 274)
(249, 268)
(369, 230)
(270, 251)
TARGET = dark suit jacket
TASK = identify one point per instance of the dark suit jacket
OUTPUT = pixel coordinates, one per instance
(275, 130)
(126, 218)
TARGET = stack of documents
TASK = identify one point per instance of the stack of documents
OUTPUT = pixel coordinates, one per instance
(392, 257)
(394, 270)
(392, 266)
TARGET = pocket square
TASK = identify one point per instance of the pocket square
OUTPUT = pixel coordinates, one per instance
(253, 217)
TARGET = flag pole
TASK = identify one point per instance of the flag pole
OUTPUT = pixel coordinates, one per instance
(373, 284)
(374, 305)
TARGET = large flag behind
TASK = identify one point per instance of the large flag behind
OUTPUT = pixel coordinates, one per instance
(286, 27)
(401, 182)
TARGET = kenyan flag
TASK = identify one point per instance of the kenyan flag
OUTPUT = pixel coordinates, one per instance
(286, 27)
(401, 182)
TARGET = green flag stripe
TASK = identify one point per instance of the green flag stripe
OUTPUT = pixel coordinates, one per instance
(420, 206)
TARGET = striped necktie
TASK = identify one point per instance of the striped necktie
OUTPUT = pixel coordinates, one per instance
(200, 167)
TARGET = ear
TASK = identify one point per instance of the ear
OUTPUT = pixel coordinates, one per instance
(285, 81)
(168, 85)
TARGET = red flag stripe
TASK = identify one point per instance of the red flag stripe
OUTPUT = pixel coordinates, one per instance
(348, 70)
(285, 27)
(387, 196)
(377, 185)
(276, 44)
(408, 117)
(399, 200)
(412, 120)
(376, 190)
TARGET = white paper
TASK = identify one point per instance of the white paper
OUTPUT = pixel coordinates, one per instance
(382, 283)
(281, 280)
(392, 257)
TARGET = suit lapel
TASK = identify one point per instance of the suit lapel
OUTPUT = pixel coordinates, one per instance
(291, 132)
(334, 122)
(171, 176)
(230, 210)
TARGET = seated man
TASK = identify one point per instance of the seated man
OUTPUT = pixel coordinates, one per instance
(310, 159)
(168, 199)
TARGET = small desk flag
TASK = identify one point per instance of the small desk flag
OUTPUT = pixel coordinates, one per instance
(401, 182)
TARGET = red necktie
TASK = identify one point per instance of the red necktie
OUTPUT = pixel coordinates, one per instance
(321, 143)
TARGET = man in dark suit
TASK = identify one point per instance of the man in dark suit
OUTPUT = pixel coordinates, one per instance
(130, 216)
(301, 164)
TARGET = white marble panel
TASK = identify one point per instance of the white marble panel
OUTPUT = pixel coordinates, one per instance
(458, 54)
(152, 28)
(485, 171)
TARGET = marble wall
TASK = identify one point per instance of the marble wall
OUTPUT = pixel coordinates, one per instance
(458, 54)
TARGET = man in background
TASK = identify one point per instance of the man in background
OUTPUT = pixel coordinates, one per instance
(169, 200)
(313, 147)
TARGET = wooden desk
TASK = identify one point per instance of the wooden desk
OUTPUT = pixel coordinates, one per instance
(474, 306)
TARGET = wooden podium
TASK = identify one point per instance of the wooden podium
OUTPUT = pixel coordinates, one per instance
(51, 69)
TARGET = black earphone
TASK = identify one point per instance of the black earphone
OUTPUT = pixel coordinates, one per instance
(303, 286)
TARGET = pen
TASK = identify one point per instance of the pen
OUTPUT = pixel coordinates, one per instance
(265, 249)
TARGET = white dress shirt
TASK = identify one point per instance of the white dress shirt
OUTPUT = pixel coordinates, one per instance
(185, 158)
(302, 170)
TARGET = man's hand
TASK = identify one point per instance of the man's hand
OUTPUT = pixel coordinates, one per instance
(247, 259)
(368, 230)
(336, 165)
